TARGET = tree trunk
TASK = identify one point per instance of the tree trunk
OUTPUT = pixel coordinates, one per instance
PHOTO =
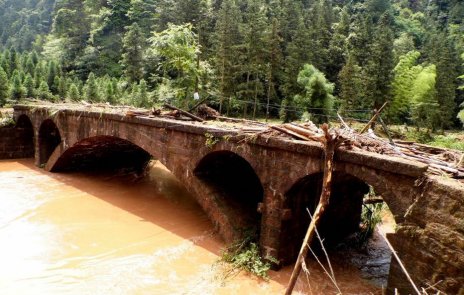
(330, 144)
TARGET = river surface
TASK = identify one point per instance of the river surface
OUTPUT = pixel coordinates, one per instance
(81, 233)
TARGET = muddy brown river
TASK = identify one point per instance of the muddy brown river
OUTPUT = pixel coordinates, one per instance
(80, 233)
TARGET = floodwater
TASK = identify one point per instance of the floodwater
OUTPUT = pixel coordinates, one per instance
(80, 233)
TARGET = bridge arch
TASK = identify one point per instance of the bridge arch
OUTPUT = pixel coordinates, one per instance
(237, 187)
(49, 139)
(101, 153)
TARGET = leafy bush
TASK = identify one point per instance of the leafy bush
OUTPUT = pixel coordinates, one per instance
(246, 256)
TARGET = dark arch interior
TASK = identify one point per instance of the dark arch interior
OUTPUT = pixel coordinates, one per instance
(341, 218)
(25, 131)
(236, 184)
(103, 153)
(49, 139)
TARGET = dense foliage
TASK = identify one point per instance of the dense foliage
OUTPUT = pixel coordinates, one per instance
(250, 57)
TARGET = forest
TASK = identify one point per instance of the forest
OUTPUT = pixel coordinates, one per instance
(286, 59)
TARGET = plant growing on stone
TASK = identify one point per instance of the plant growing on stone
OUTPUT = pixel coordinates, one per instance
(211, 140)
(245, 255)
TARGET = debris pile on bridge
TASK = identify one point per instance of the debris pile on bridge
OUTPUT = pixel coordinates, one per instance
(441, 161)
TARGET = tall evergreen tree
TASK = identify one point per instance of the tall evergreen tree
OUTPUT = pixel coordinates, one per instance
(4, 87)
(227, 39)
(132, 58)
(91, 89)
(17, 90)
(29, 86)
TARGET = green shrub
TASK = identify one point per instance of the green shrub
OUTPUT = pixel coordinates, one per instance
(245, 256)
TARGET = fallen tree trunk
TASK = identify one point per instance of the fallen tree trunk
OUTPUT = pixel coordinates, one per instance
(330, 144)
(187, 114)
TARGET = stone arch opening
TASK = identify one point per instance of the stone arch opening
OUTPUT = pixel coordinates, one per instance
(237, 188)
(103, 153)
(25, 131)
(49, 139)
(341, 218)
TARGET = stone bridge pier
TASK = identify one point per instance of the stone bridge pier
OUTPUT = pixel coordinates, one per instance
(265, 185)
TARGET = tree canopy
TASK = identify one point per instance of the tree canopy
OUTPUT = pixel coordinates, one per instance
(247, 57)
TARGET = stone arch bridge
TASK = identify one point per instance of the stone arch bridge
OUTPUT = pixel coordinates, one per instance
(267, 184)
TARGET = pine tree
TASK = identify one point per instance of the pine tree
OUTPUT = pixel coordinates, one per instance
(51, 74)
(350, 83)
(143, 12)
(254, 37)
(298, 51)
(443, 56)
(29, 67)
(338, 47)
(228, 37)
(62, 87)
(29, 85)
(132, 58)
(109, 93)
(378, 73)
(92, 94)
(4, 87)
(73, 93)
(44, 92)
(15, 63)
(274, 63)
(55, 85)
(17, 90)
(6, 62)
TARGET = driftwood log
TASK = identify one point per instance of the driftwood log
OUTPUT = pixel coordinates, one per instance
(330, 142)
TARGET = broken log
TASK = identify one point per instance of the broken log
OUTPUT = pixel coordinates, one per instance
(291, 133)
(187, 114)
(304, 132)
(330, 142)
(374, 118)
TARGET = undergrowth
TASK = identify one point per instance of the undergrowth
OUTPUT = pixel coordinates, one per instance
(245, 255)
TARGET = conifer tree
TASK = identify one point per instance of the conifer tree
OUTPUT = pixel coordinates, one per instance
(350, 83)
(17, 90)
(29, 86)
(143, 12)
(4, 87)
(109, 93)
(91, 89)
(43, 92)
(62, 87)
(73, 93)
(228, 37)
(378, 72)
(132, 58)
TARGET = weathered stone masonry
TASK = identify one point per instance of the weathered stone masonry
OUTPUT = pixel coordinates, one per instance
(16, 142)
(429, 211)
